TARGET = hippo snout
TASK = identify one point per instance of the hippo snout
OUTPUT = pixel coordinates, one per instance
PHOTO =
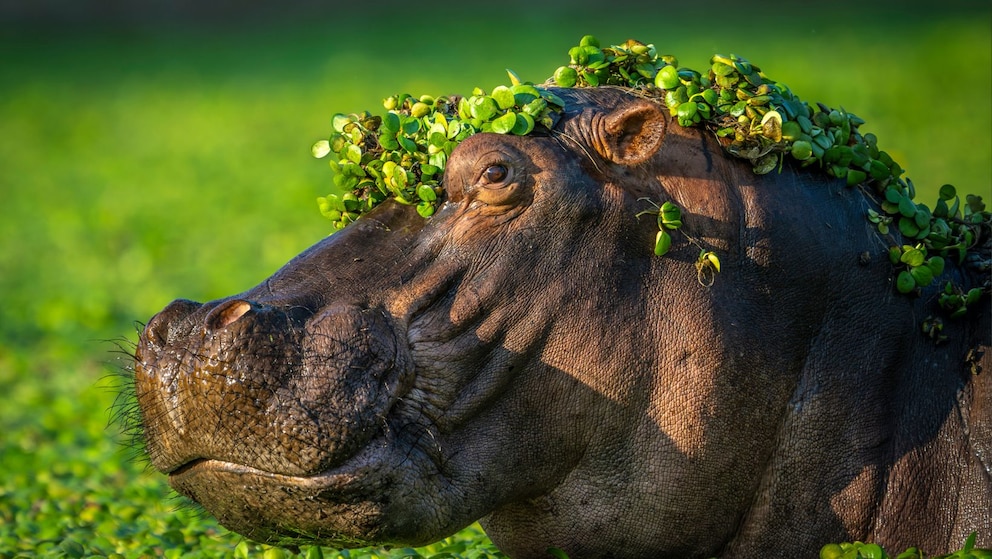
(281, 388)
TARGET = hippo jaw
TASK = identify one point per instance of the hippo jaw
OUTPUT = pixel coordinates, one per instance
(279, 420)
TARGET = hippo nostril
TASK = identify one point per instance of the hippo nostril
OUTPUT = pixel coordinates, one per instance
(226, 313)
(162, 326)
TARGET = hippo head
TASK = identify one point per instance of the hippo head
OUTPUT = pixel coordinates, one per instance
(523, 358)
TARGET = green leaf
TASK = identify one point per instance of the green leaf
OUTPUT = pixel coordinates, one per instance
(855, 177)
(879, 171)
(936, 265)
(503, 97)
(505, 123)
(320, 148)
(425, 209)
(908, 227)
(524, 124)
(514, 78)
(354, 154)
(948, 192)
(410, 125)
(483, 107)
(912, 257)
(390, 123)
(802, 150)
(524, 93)
(566, 76)
(905, 282)
(907, 207)
(339, 121)
(973, 296)
(662, 243)
(667, 78)
(426, 193)
(407, 144)
(871, 551)
(922, 275)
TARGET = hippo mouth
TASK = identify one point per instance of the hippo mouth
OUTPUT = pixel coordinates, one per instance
(279, 421)
(344, 506)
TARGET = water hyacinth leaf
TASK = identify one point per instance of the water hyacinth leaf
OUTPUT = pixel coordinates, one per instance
(790, 129)
(438, 139)
(721, 69)
(407, 144)
(802, 150)
(662, 243)
(320, 148)
(878, 169)
(350, 201)
(419, 109)
(354, 154)
(908, 227)
(483, 107)
(514, 78)
(566, 76)
(339, 121)
(922, 275)
(389, 143)
(425, 209)
(907, 207)
(524, 125)
(410, 126)
(426, 193)
(391, 123)
(905, 282)
(667, 78)
(941, 210)
(686, 113)
(973, 296)
(524, 93)
(912, 257)
(936, 265)
(895, 255)
(766, 164)
(893, 195)
(855, 177)
(503, 97)
(505, 123)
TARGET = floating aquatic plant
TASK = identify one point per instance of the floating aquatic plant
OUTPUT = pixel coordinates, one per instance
(402, 155)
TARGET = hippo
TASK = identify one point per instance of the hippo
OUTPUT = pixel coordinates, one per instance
(523, 359)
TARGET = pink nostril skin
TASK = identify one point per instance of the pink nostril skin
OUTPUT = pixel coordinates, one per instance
(226, 313)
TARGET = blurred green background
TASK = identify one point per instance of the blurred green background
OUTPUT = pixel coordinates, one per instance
(160, 151)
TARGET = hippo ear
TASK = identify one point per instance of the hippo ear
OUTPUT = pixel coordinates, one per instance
(633, 133)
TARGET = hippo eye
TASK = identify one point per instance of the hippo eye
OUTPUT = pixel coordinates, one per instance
(494, 173)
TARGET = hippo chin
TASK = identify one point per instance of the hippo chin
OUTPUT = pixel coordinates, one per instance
(522, 358)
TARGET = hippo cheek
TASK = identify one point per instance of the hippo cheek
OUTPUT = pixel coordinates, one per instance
(354, 370)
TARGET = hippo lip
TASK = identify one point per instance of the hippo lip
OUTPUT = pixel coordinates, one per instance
(342, 506)
(207, 465)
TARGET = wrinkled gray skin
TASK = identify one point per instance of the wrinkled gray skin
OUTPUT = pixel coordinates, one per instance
(523, 358)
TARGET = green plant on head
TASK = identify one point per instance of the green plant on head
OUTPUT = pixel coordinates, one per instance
(402, 155)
